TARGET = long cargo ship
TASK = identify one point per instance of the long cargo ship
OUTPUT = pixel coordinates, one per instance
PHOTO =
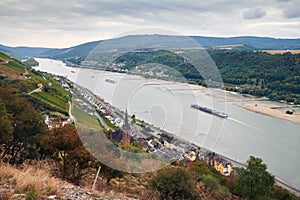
(111, 81)
(210, 111)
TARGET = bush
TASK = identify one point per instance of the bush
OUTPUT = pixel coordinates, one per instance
(211, 182)
(173, 183)
(223, 192)
(71, 157)
(32, 195)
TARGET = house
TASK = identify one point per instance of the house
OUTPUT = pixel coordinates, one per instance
(181, 147)
(223, 166)
(210, 158)
(190, 155)
(52, 125)
(154, 144)
(165, 143)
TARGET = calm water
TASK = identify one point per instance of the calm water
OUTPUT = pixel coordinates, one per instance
(167, 105)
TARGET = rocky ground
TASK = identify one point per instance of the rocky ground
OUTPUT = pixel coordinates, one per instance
(67, 192)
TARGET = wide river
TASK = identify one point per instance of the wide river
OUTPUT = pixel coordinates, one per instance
(167, 105)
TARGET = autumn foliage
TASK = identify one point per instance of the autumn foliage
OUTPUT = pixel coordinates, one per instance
(65, 147)
(20, 125)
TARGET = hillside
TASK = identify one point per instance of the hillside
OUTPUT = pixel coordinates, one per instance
(11, 68)
(23, 51)
(261, 43)
(256, 73)
(257, 42)
(41, 89)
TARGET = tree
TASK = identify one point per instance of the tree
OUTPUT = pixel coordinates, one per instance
(5, 125)
(255, 182)
(67, 149)
(26, 124)
(133, 119)
(173, 183)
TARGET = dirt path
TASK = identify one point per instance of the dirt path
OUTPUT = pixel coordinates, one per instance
(39, 89)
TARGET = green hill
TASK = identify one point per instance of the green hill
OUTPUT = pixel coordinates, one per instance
(256, 73)
(44, 92)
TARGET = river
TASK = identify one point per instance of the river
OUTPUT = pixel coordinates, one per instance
(167, 105)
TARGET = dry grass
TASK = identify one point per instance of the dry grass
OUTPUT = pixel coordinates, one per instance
(29, 178)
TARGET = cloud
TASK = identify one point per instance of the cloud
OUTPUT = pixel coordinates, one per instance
(34, 22)
(254, 13)
(292, 10)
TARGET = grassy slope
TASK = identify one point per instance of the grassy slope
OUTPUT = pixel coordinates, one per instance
(84, 118)
(52, 95)
(11, 66)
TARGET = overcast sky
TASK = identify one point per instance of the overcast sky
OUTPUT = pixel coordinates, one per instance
(63, 23)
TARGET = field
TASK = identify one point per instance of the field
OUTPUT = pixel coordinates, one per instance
(55, 102)
(281, 51)
(84, 118)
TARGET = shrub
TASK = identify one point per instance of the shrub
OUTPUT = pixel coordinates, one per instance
(211, 182)
(71, 157)
(173, 183)
(32, 195)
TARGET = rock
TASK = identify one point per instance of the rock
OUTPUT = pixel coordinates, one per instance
(19, 196)
(52, 197)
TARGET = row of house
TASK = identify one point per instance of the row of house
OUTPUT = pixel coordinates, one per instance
(98, 106)
(123, 133)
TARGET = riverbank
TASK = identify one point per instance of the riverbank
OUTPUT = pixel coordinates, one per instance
(272, 110)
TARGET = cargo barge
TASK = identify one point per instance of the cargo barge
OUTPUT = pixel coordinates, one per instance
(210, 111)
(111, 81)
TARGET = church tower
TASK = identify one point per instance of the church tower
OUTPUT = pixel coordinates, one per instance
(126, 130)
(126, 125)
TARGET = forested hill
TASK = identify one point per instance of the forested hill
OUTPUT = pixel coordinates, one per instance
(83, 49)
(261, 74)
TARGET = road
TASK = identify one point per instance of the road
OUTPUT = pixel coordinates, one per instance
(102, 122)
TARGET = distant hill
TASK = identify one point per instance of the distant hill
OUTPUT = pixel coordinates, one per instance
(23, 51)
(260, 43)
(75, 51)
(257, 42)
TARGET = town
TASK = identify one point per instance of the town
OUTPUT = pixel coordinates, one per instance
(127, 129)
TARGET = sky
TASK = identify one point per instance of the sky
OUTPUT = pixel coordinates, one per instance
(65, 23)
